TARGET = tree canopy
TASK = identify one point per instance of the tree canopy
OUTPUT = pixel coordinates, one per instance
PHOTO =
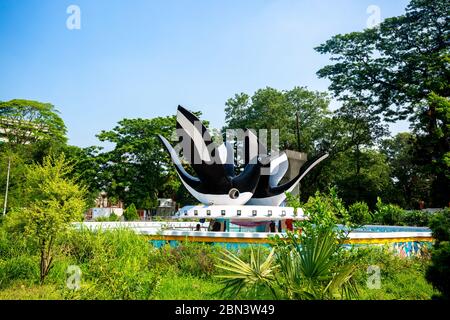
(401, 70)
(138, 169)
(27, 121)
(270, 108)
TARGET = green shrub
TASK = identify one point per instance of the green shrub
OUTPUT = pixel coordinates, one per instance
(401, 278)
(440, 225)
(359, 213)
(114, 264)
(101, 219)
(188, 258)
(113, 217)
(244, 253)
(19, 268)
(130, 213)
(388, 214)
(438, 272)
(13, 244)
(416, 218)
(325, 210)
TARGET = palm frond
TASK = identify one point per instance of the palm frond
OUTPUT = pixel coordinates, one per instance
(246, 275)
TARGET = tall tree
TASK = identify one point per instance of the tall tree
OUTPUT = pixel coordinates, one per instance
(351, 137)
(27, 121)
(138, 169)
(52, 202)
(86, 168)
(401, 71)
(411, 185)
(269, 108)
(29, 131)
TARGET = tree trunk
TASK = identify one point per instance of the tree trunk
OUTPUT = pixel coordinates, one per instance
(46, 259)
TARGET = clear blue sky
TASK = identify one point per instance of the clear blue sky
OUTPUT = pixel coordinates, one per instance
(143, 58)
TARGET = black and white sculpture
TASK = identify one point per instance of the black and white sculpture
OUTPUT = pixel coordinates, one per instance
(216, 182)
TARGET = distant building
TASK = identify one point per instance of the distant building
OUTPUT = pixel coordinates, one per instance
(104, 208)
(166, 207)
(23, 131)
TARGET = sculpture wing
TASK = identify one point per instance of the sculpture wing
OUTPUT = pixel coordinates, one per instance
(226, 155)
(190, 180)
(200, 150)
(289, 186)
(278, 168)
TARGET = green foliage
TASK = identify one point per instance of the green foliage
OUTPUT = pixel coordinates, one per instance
(131, 213)
(388, 214)
(312, 268)
(308, 267)
(194, 259)
(324, 211)
(19, 291)
(114, 264)
(16, 178)
(440, 225)
(269, 108)
(359, 213)
(86, 168)
(113, 217)
(176, 286)
(252, 276)
(21, 267)
(400, 70)
(401, 278)
(438, 274)
(30, 121)
(362, 176)
(293, 201)
(53, 202)
(411, 185)
(305, 265)
(416, 218)
(138, 169)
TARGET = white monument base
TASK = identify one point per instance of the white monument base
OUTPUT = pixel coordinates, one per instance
(239, 212)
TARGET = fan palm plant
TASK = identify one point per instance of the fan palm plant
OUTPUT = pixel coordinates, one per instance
(252, 276)
(306, 267)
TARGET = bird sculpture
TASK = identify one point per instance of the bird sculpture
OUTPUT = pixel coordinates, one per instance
(216, 181)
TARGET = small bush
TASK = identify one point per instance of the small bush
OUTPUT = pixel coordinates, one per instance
(438, 272)
(388, 214)
(113, 217)
(114, 264)
(244, 253)
(325, 210)
(359, 213)
(416, 218)
(401, 278)
(195, 259)
(440, 225)
(130, 213)
(19, 268)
